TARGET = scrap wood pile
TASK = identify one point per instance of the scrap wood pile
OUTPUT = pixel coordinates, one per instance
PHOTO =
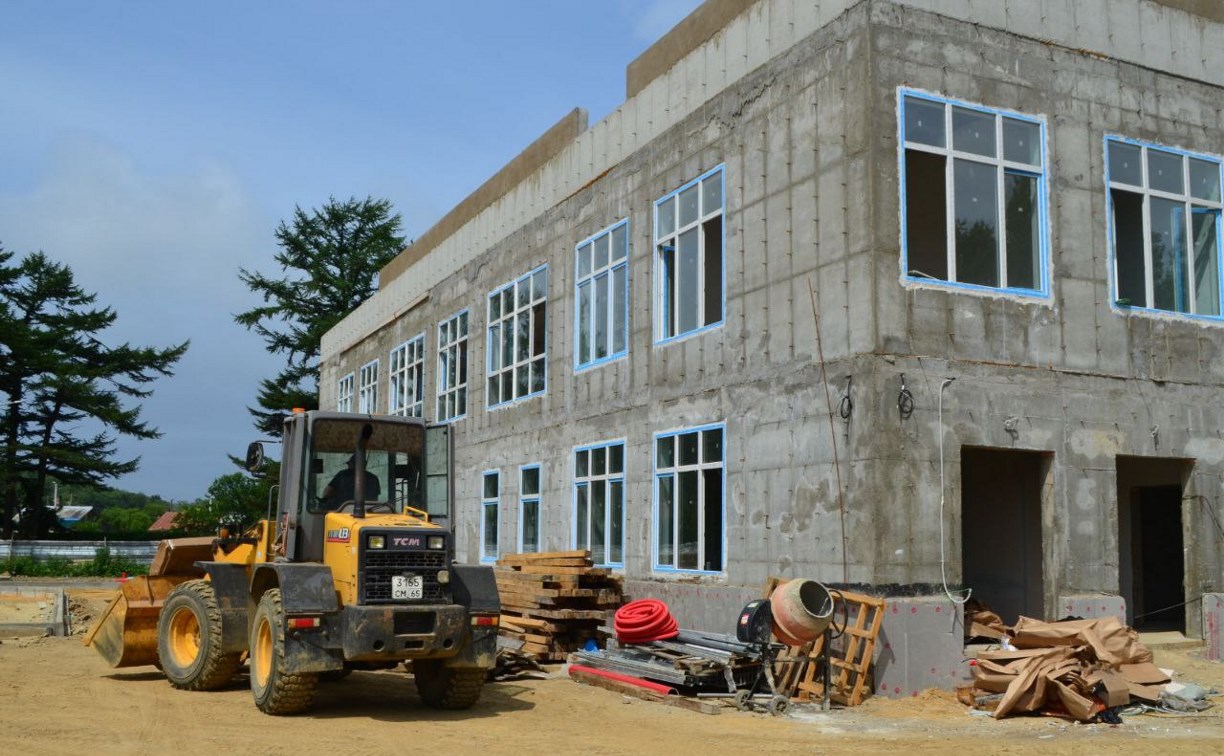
(1078, 668)
(554, 602)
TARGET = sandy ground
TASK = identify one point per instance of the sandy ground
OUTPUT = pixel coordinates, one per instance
(57, 697)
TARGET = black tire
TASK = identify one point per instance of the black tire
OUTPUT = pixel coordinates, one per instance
(443, 687)
(189, 639)
(276, 691)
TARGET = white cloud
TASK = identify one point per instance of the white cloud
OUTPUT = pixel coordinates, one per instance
(164, 251)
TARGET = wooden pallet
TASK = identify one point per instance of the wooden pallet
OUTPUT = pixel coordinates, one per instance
(850, 670)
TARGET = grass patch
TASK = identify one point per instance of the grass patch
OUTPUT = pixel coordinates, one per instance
(104, 564)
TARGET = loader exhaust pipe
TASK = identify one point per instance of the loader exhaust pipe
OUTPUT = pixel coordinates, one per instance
(359, 491)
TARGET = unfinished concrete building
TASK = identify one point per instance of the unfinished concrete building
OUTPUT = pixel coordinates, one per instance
(920, 295)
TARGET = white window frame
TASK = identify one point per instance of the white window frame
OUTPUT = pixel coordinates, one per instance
(527, 296)
(666, 244)
(406, 378)
(367, 388)
(588, 277)
(1039, 171)
(531, 499)
(589, 481)
(672, 472)
(488, 502)
(344, 393)
(1188, 201)
(453, 351)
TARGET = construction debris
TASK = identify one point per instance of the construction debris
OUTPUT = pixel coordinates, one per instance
(554, 602)
(1076, 668)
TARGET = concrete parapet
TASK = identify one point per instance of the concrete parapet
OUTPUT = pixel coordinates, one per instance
(1092, 606)
(921, 645)
(1213, 626)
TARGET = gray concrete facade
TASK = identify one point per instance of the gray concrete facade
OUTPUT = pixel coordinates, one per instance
(806, 131)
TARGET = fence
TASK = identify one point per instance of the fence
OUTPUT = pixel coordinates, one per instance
(141, 551)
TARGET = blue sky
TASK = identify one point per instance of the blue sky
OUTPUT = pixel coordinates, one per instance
(154, 147)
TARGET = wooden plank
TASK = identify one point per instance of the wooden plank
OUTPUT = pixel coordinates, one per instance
(633, 691)
(533, 557)
(531, 569)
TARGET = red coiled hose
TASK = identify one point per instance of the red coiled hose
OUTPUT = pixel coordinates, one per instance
(643, 621)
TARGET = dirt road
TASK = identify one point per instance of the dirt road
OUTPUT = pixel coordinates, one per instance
(57, 697)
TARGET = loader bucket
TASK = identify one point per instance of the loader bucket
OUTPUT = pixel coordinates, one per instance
(126, 633)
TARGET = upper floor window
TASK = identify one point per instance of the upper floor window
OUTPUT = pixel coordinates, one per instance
(689, 256)
(689, 529)
(602, 281)
(1165, 227)
(490, 515)
(344, 394)
(529, 509)
(599, 502)
(407, 379)
(516, 348)
(453, 367)
(973, 183)
(367, 390)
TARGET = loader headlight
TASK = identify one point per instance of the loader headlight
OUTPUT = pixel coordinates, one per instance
(436, 542)
(443, 577)
(377, 542)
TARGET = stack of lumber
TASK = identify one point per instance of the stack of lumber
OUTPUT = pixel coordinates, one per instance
(554, 602)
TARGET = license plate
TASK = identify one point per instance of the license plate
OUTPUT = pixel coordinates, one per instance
(407, 587)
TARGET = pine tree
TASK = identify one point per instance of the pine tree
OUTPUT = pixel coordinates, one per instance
(329, 260)
(60, 378)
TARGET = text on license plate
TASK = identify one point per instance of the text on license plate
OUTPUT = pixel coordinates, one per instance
(407, 587)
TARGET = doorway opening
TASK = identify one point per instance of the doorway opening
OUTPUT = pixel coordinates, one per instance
(1151, 557)
(1002, 495)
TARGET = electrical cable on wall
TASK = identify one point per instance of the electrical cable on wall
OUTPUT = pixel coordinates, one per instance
(841, 497)
(905, 400)
(943, 559)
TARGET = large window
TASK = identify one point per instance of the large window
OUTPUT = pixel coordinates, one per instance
(529, 509)
(344, 394)
(490, 515)
(407, 379)
(599, 502)
(973, 195)
(689, 499)
(367, 388)
(1165, 224)
(689, 256)
(602, 281)
(516, 347)
(453, 367)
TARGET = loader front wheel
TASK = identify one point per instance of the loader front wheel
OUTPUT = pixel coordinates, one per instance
(189, 639)
(276, 691)
(445, 687)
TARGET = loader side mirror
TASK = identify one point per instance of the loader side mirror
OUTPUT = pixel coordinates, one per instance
(255, 458)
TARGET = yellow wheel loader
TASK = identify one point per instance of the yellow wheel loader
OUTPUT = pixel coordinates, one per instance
(356, 570)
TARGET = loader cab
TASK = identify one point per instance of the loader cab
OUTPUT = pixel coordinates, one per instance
(401, 464)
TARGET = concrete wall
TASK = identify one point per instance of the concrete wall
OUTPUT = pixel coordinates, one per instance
(1075, 375)
(798, 101)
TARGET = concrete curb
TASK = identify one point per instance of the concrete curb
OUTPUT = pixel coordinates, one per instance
(56, 621)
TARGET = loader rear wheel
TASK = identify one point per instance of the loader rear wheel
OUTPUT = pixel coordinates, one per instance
(189, 639)
(276, 691)
(445, 687)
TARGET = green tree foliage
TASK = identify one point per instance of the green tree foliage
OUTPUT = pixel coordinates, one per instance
(329, 259)
(236, 501)
(68, 393)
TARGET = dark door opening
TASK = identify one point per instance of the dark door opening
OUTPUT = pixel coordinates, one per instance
(1151, 558)
(1001, 500)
